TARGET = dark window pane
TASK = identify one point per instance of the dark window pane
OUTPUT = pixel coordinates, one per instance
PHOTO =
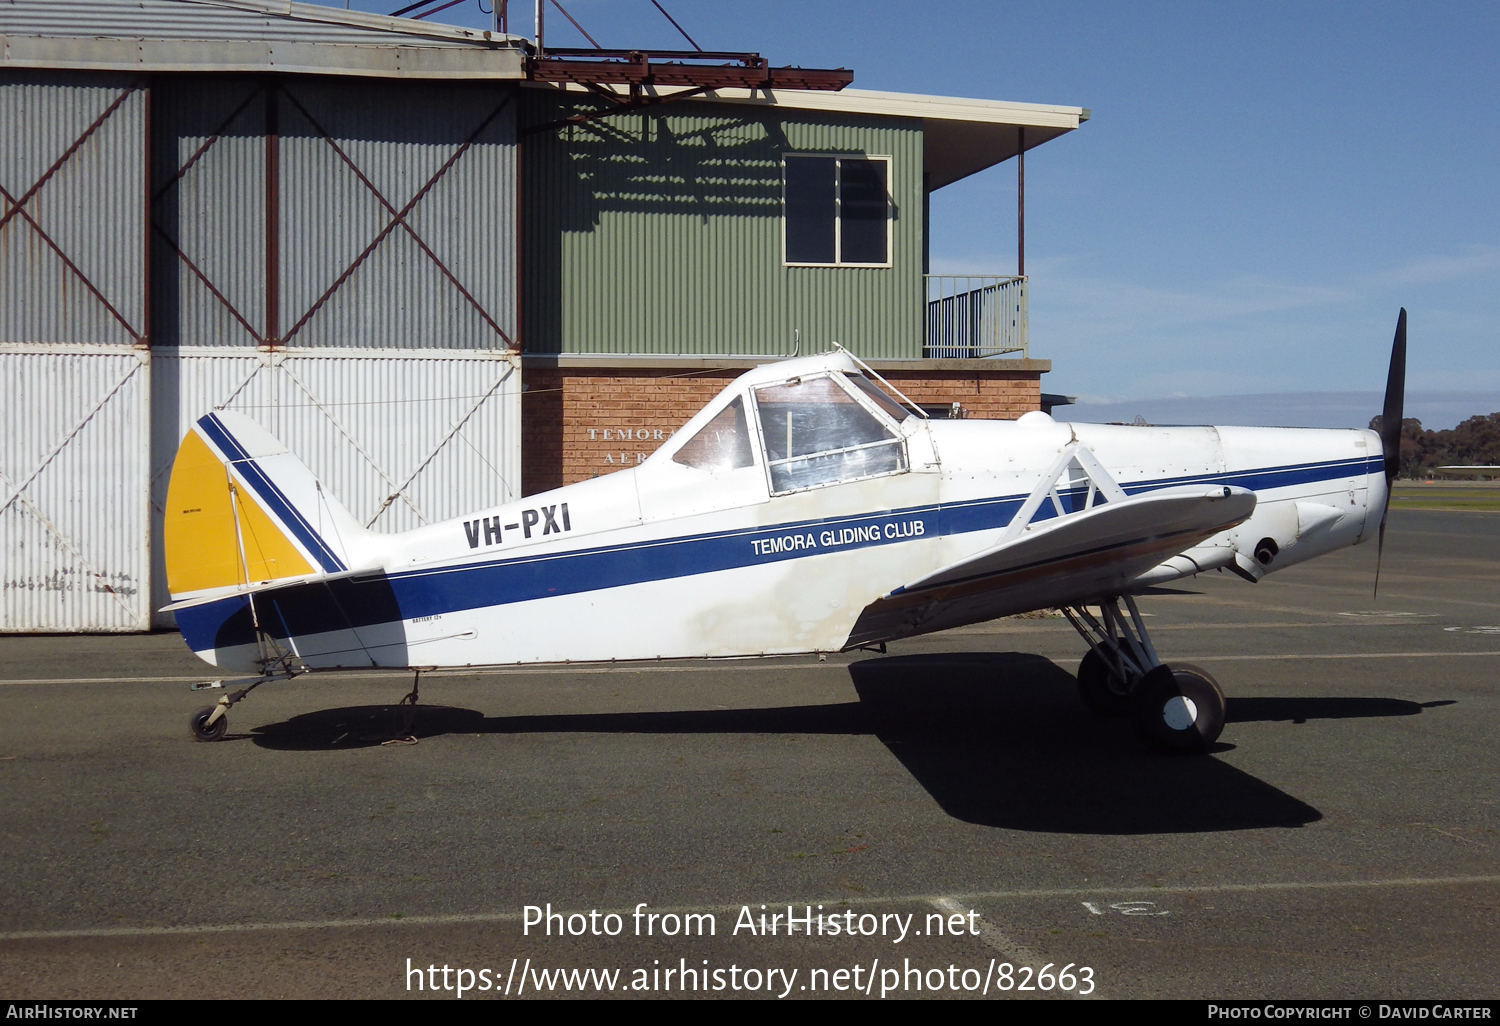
(811, 189)
(863, 211)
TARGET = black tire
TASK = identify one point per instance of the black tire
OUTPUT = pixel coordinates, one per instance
(1178, 709)
(202, 729)
(1101, 689)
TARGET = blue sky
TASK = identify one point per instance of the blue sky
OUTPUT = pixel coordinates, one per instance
(1259, 190)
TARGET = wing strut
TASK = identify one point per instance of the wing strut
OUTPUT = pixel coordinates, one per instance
(1101, 487)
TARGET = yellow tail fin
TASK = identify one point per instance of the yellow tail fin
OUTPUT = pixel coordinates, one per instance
(243, 512)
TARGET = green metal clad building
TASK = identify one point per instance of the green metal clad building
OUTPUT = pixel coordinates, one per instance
(661, 231)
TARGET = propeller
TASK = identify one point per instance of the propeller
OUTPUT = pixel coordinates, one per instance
(1390, 429)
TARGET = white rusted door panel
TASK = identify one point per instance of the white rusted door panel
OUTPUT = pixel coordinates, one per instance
(74, 471)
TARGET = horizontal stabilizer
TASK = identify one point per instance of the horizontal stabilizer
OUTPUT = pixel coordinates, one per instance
(218, 594)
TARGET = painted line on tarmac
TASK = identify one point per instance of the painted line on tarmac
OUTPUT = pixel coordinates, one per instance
(1310, 655)
(909, 899)
(990, 935)
(1336, 655)
(335, 676)
(1062, 627)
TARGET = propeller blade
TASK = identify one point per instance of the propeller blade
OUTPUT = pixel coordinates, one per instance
(1395, 394)
(1390, 430)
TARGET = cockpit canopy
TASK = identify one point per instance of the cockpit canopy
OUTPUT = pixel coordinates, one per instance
(813, 430)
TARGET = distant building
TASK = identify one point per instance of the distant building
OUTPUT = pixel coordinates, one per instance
(371, 233)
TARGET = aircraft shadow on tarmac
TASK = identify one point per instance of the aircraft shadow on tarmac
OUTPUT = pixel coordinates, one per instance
(997, 739)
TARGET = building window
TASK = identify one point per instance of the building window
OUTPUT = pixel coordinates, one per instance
(837, 211)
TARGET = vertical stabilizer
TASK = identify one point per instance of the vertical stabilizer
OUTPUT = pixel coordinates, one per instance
(243, 512)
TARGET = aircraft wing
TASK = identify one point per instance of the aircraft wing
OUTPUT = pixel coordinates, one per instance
(1065, 561)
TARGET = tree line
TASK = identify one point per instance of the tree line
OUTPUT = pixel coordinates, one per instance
(1474, 442)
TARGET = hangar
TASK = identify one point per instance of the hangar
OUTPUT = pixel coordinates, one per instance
(372, 233)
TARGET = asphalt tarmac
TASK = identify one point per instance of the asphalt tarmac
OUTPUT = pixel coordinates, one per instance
(1341, 841)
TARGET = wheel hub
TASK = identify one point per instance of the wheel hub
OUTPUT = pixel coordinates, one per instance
(1179, 712)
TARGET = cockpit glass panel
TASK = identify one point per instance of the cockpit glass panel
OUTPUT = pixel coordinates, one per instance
(817, 433)
(722, 444)
(897, 412)
(813, 415)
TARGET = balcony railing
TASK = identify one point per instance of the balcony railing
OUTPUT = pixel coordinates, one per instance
(974, 315)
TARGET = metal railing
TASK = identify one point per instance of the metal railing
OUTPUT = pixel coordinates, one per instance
(974, 315)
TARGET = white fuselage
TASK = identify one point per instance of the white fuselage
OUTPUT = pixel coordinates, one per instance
(665, 560)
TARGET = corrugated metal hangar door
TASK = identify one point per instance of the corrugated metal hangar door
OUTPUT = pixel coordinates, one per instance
(337, 260)
(74, 375)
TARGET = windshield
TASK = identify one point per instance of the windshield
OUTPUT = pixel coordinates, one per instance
(817, 433)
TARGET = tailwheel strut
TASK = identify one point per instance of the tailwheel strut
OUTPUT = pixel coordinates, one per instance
(277, 662)
(405, 713)
(1177, 707)
(211, 722)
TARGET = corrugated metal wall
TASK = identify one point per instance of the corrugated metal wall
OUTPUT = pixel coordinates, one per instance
(208, 160)
(398, 387)
(74, 529)
(71, 153)
(660, 232)
(74, 383)
(402, 439)
(449, 282)
(347, 158)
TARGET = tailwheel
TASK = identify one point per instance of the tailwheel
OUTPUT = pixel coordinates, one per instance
(205, 727)
(210, 722)
(1103, 688)
(1178, 708)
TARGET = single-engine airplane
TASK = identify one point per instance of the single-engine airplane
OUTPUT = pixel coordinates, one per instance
(806, 509)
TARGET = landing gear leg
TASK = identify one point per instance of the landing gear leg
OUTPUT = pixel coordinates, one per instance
(1174, 708)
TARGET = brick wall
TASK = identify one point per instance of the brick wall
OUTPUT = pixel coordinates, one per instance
(986, 395)
(579, 423)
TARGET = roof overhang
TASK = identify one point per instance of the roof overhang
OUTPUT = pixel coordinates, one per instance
(961, 136)
(246, 36)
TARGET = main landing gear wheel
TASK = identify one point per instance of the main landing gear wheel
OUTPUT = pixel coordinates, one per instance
(205, 731)
(1101, 687)
(1178, 708)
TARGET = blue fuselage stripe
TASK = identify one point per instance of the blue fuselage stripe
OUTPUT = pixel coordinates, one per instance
(503, 581)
